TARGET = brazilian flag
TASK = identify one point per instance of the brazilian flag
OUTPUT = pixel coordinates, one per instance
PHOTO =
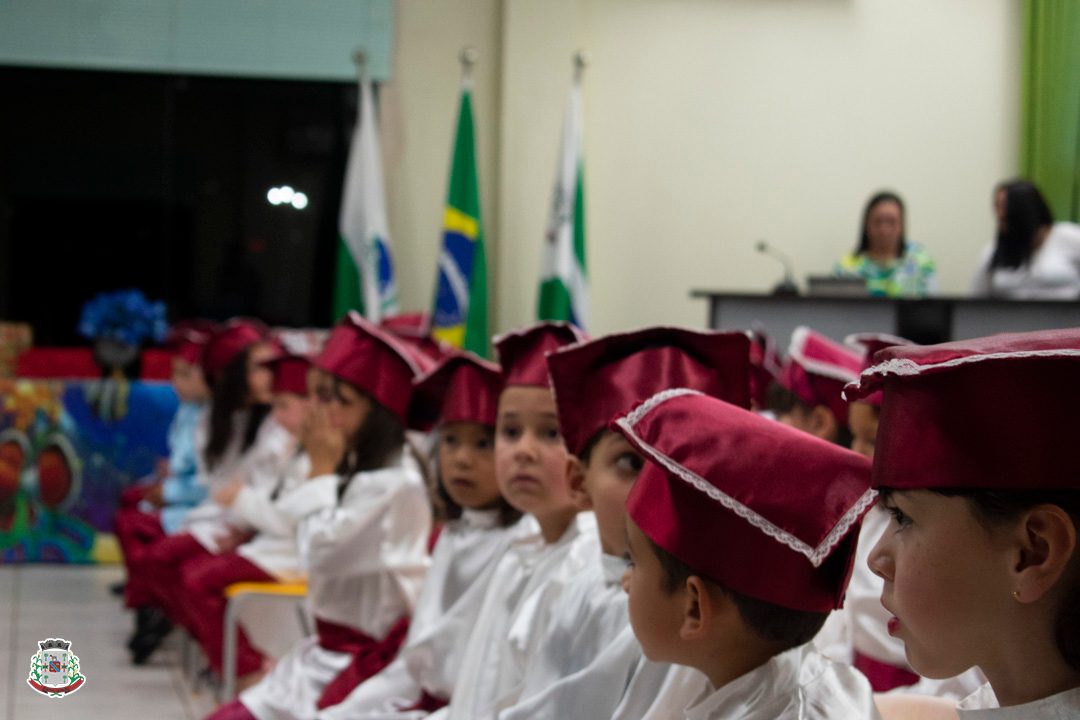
(460, 315)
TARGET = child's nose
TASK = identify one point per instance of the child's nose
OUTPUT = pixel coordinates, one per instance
(525, 448)
(880, 560)
(462, 456)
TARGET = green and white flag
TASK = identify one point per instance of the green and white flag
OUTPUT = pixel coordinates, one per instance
(365, 268)
(564, 288)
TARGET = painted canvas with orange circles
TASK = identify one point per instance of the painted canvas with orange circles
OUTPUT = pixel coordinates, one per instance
(67, 451)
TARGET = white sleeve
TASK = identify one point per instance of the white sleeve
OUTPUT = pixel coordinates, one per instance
(263, 505)
(311, 496)
(254, 507)
(980, 281)
(348, 538)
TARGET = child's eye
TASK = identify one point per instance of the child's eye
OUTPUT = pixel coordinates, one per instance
(450, 440)
(510, 432)
(629, 462)
(899, 516)
(483, 443)
(551, 433)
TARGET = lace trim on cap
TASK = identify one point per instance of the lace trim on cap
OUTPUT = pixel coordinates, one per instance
(818, 367)
(905, 367)
(634, 416)
(816, 555)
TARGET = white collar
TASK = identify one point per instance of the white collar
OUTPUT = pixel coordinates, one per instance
(984, 704)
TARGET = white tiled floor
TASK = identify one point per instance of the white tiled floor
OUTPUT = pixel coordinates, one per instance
(73, 602)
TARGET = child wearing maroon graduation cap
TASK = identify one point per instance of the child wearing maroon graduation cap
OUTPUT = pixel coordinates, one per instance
(976, 462)
(808, 393)
(363, 520)
(742, 535)
(588, 654)
(530, 466)
(270, 555)
(237, 443)
(150, 512)
(459, 401)
(871, 649)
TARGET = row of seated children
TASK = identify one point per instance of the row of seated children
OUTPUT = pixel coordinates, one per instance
(222, 437)
(528, 621)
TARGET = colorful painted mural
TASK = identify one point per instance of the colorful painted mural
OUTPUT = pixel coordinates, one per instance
(67, 450)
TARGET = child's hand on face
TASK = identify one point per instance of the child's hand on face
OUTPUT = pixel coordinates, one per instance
(153, 495)
(225, 495)
(303, 431)
(325, 443)
(232, 538)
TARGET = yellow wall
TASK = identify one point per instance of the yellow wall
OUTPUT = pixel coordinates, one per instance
(709, 124)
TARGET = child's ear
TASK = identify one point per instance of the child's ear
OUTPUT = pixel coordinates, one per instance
(1046, 540)
(575, 477)
(700, 611)
(823, 423)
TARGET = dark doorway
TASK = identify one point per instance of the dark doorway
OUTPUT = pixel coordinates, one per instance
(114, 180)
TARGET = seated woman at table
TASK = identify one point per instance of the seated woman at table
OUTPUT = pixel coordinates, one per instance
(892, 265)
(1033, 258)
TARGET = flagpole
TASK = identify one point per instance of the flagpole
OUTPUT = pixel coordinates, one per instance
(581, 61)
(468, 57)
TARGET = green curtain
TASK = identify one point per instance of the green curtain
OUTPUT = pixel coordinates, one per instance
(1050, 145)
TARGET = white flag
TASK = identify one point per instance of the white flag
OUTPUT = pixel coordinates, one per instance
(564, 289)
(363, 224)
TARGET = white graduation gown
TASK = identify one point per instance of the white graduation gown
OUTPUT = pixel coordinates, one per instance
(983, 705)
(515, 615)
(445, 613)
(600, 688)
(587, 614)
(261, 507)
(659, 691)
(259, 465)
(365, 557)
(799, 684)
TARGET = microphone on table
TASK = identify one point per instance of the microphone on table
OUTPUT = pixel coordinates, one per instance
(786, 286)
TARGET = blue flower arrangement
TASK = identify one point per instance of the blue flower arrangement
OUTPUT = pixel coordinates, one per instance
(125, 316)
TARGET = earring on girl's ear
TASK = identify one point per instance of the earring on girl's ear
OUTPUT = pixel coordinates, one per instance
(1016, 595)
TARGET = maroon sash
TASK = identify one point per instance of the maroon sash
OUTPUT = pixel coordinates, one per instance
(428, 703)
(883, 676)
(369, 656)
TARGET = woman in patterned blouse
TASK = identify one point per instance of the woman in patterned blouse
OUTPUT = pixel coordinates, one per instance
(892, 265)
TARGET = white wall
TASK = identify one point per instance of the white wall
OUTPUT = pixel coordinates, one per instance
(418, 111)
(710, 124)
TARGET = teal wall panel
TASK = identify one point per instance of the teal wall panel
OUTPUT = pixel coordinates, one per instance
(289, 39)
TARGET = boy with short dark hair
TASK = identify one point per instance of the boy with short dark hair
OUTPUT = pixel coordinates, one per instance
(742, 534)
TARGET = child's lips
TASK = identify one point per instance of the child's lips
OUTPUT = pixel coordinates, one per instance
(461, 482)
(894, 625)
(523, 479)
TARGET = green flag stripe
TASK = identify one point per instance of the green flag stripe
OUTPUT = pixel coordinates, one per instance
(348, 294)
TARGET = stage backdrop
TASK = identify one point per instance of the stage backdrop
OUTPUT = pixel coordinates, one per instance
(67, 450)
